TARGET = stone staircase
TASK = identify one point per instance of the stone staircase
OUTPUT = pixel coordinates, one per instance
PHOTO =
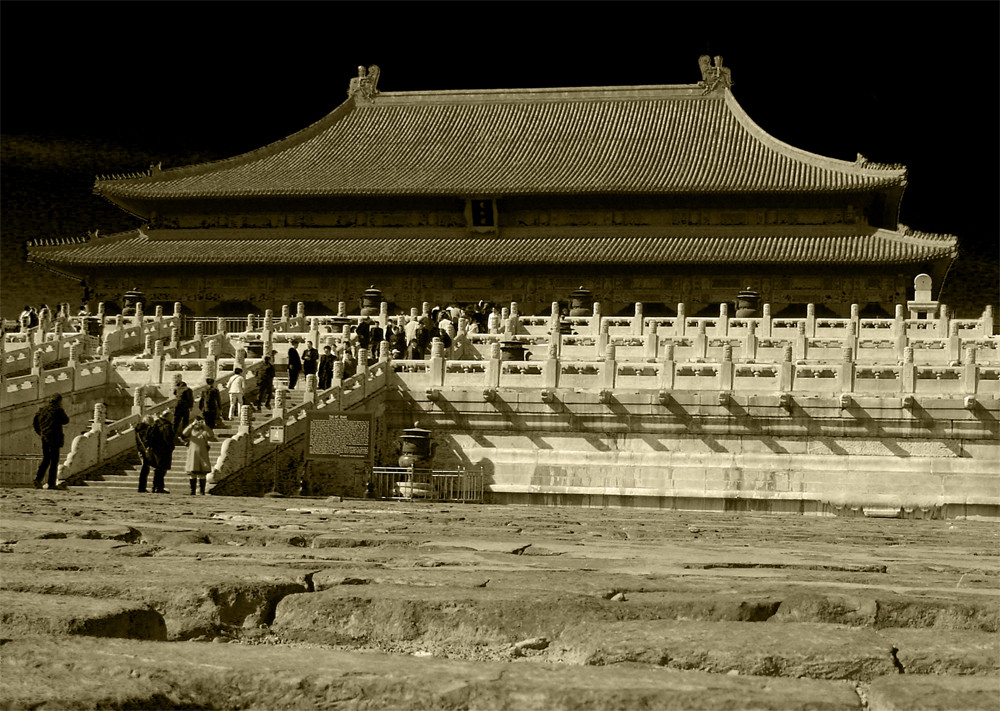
(177, 480)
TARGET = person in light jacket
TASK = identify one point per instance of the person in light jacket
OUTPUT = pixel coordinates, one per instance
(237, 386)
(199, 464)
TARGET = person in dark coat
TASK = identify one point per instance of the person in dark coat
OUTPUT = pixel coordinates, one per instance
(182, 410)
(210, 404)
(48, 423)
(310, 359)
(265, 386)
(161, 445)
(294, 365)
(143, 433)
(325, 372)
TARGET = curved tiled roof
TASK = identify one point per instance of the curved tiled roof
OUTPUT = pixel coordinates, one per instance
(517, 247)
(606, 140)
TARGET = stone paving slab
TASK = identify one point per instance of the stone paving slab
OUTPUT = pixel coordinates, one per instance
(957, 652)
(816, 651)
(84, 675)
(915, 692)
(24, 614)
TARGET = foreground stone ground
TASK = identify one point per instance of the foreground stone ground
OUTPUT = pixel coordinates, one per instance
(118, 600)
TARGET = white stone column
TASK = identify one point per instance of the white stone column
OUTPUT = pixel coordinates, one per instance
(493, 367)
(651, 342)
(666, 374)
(609, 369)
(786, 371)
(970, 372)
(436, 365)
(846, 375)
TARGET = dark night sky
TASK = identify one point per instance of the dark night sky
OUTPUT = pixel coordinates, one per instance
(902, 82)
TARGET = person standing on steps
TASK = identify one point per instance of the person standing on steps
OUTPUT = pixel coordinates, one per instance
(199, 464)
(182, 410)
(161, 442)
(48, 424)
(143, 441)
(310, 359)
(325, 371)
(237, 386)
(294, 365)
(265, 386)
(210, 404)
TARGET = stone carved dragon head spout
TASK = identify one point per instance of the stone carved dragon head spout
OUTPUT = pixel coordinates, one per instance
(365, 84)
(714, 76)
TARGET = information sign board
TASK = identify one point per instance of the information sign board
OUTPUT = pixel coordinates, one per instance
(339, 435)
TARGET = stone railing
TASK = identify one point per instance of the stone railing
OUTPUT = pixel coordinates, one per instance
(108, 440)
(723, 375)
(250, 444)
(41, 384)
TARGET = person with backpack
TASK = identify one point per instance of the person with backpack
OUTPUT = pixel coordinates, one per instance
(237, 386)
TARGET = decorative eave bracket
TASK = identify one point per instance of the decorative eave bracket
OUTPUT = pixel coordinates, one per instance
(714, 77)
(365, 85)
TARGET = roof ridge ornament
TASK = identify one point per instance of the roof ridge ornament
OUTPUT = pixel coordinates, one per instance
(714, 78)
(365, 84)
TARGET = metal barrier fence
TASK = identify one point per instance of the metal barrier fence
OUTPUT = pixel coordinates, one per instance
(18, 469)
(409, 484)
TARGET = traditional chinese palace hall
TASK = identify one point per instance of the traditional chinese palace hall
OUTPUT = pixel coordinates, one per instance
(660, 194)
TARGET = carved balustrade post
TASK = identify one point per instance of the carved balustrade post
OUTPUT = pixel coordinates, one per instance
(312, 385)
(970, 372)
(383, 315)
(986, 322)
(158, 314)
(750, 341)
(786, 370)
(637, 320)
(801, 342)
(811, 320)
(680, 323)
(722, 330)
(899, 334)
(137, 319)
(436, 365)
(666, 375)
(246, 419)
(701, 340)
(726, 368)
(595, 318)
(281, 402)
(651, 341)
(493, 367)
(908, 372)
(602, 340)
(954, 343)
(139, 400)
(609, 369)
(846, 374)
(944, 319)
(765, 322)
